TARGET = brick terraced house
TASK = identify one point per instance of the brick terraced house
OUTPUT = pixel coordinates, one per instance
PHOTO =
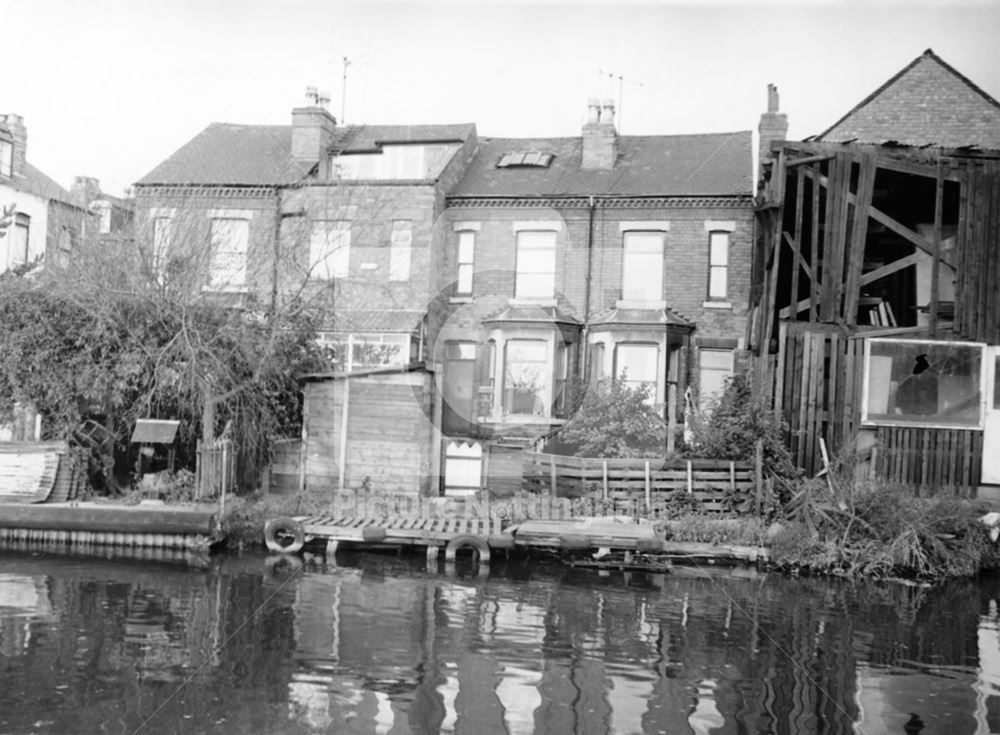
(465, 282)
(599, 255)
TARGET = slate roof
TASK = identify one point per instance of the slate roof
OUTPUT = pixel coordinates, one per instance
(41, 185)
(366, 138)
(225, 154)
(232, 155)
(641, 317)
(928, 102)
(378, 320)
(534, 314)
(710, 164)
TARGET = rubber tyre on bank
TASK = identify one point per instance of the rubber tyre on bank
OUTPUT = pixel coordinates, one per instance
(284, 536)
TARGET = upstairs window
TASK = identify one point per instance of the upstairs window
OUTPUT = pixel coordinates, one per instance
(102, 211)
(329, 250)
(536, 265)
(535, 159)
(6, 157)
(404, 162)
(230, 239)
(400, 248)
(642, 266)
(14, 246)
(466, 257)
(718, 265)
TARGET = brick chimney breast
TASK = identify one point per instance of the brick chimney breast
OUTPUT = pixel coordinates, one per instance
(600, 139)
(312, 129)
(19, 133)
(773, 126)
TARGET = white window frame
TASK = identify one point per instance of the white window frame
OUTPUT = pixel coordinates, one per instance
(545, 394)
(984, 367)
(719, 242)
(465, 258)
(329, 249)
(6, 158)
(14, 252)
(639, 239)
(532, 241)
(632, 382)
(728, 371)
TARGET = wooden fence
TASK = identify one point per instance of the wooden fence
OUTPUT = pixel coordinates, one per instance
(717, 485)
(216, 471)
(931, 461)
(817, 385)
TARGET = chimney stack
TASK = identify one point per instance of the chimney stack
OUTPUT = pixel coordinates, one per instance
(773, 126)
(19, 135)
(600, 139)
(312, 129)
(85, 190)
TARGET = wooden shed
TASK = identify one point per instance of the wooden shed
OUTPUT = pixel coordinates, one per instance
(876, 309)
(370, 428)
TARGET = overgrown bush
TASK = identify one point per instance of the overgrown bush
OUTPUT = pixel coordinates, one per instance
(832, 524)
(614, 420)
(730, 426)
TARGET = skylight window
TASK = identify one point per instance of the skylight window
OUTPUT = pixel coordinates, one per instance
(535, 159)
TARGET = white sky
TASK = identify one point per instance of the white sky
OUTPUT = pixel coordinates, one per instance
(109, 88)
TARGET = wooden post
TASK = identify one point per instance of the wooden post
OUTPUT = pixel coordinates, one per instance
(604, 494)
(552, 475)
(690, 478)
(936, 262)
(758, 470)
(649, 503)
(671, 417)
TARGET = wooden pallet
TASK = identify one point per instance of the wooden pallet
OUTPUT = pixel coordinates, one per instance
(405, 531)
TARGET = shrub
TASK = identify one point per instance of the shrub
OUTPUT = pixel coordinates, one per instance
(614, 420)
(731, 426)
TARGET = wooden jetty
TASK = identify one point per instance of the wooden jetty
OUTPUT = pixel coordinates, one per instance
(482, 536)
(149, 524)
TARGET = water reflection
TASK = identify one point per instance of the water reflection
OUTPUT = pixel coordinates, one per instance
(381, 645)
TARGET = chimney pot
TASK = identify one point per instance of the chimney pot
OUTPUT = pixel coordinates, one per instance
(593, 111)
(608, 112)
(772, 98)
(311, 95)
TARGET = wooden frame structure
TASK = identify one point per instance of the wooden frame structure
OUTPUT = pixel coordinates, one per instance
(855, 241)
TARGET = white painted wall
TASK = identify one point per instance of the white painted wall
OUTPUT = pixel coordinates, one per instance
(35, 207)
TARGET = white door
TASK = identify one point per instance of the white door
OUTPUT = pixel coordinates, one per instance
(991, 428)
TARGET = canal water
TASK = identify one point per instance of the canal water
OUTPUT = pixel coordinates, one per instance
(381, 644)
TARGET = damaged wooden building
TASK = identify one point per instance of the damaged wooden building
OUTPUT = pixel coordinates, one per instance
(875, 316)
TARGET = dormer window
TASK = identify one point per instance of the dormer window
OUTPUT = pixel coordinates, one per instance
(530, 159)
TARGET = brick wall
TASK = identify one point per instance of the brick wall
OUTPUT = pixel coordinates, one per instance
(192, 210)
(928, 104)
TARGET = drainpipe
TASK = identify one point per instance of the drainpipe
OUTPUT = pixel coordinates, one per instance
(277, 251)
(584, 356)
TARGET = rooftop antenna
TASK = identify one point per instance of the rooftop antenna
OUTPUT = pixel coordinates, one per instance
(621, 82)
(343, 92)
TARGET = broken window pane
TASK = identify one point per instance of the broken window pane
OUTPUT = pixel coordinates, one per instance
(923, 383)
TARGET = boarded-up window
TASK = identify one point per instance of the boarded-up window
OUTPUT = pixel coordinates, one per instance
(329, 250)
(400, 249)
(227, 268)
